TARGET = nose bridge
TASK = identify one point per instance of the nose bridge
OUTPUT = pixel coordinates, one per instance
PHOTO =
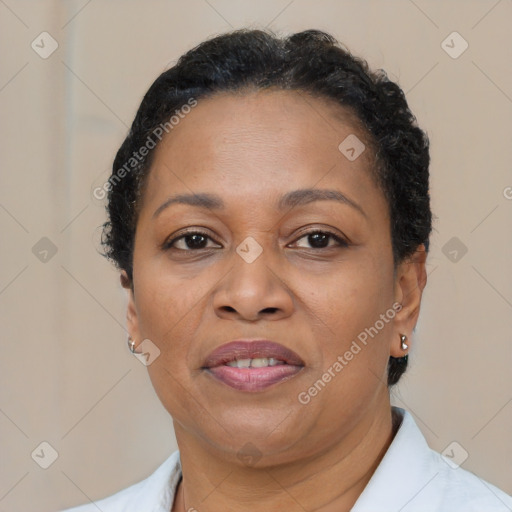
(250, 273)
(252, 286)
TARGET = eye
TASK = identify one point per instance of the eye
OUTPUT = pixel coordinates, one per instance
(198, 240)
(319, 239)
(189, 241)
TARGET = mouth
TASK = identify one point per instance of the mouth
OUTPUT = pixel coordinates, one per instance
(252, 365)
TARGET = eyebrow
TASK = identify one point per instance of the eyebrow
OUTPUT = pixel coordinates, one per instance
(288, 200)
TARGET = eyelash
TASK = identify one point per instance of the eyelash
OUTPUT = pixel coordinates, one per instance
(167, 245)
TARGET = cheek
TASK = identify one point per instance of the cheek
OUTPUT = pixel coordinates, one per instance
(163, 299)
(169, 314)
(349, 313)
(354, 295)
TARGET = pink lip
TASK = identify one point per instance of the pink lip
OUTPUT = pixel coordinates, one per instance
(252, 379)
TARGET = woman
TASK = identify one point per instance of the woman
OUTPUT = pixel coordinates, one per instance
(269, 213)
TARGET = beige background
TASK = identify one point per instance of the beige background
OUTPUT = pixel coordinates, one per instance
(67, 377)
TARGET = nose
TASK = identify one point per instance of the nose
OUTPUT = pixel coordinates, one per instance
(252, 291)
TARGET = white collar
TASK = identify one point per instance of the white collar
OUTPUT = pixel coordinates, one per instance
(410, 478)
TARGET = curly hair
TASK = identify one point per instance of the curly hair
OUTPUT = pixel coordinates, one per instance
(313, 62)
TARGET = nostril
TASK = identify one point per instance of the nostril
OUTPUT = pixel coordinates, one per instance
(230, 309)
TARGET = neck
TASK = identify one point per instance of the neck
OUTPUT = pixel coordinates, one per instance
(329, 482)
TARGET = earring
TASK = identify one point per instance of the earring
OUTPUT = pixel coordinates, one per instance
(403, 339)
(131, 345)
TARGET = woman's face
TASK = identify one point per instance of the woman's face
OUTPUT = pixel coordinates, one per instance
(253, 273)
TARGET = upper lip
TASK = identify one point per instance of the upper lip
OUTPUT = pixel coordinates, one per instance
(240, 349)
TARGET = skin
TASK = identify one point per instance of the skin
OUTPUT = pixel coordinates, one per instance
(250, 149)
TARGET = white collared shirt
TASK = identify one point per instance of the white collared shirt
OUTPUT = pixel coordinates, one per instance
(411, 477)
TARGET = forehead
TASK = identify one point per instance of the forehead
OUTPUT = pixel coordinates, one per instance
(246, 144)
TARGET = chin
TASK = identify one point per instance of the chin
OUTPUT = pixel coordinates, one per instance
(265, 435)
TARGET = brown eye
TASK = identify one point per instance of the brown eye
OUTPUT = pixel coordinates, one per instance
(320, 239)
(193, 240)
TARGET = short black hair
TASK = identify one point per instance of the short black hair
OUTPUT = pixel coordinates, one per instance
(310, 61)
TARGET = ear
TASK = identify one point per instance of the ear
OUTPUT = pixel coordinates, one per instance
(411, 278)
(131, 311)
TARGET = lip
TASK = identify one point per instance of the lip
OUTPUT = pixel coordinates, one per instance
(252, 379)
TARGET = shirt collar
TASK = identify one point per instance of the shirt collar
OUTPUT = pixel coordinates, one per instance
(407, 450)
(407, 467)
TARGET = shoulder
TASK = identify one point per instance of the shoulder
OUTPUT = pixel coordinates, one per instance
(459, 489)
(412, 477)
(155, 491)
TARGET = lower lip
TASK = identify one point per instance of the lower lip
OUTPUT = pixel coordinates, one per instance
(254, 379)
